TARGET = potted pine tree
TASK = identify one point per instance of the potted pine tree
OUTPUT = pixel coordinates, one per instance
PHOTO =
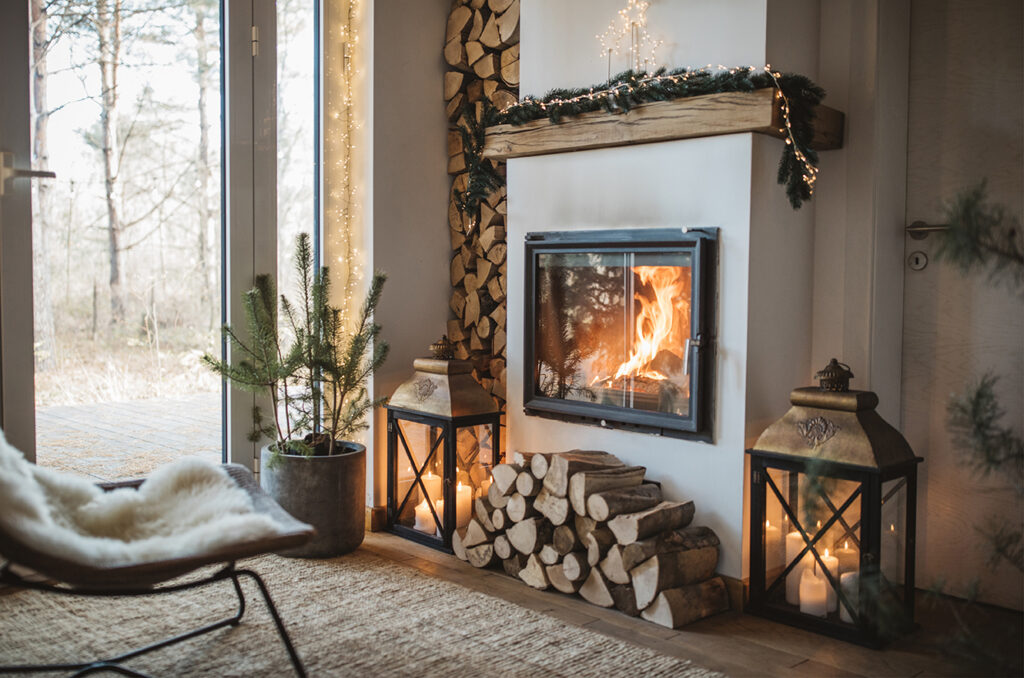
(315, 371)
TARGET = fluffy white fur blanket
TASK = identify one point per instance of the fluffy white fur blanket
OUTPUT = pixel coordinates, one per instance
(187, 507)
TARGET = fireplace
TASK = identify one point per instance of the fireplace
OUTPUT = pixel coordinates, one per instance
(619, 328)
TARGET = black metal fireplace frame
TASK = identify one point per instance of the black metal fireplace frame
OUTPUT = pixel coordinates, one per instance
(702, 243)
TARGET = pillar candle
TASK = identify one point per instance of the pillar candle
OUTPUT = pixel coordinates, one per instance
(813, 596)
(485, 484)
(463, 505)
(794, 544)
(433, 485)
(849, 558)
(773, 551)
(849, 583)
(891, 547)
(424, 519)
(832, 565)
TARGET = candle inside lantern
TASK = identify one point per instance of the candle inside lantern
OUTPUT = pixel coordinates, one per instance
(891, 565)
(849, 559)
(424, 519)
(485, 484)
(813, 594)
(849, 583)
(832, 565)
(433, 485)
(463, 505)
(795, 544)
(773, 551)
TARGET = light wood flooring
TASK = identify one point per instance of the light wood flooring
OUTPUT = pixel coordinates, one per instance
(734, 643)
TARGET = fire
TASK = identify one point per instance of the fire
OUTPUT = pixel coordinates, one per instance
(656, 322)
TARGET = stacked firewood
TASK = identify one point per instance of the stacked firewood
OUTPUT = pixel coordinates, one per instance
(482, 51)
(583, 522)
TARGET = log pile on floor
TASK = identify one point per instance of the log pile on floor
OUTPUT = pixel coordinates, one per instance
(482, 52)
(583, 522)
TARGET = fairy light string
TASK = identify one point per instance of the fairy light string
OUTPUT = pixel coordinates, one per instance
(796, 94)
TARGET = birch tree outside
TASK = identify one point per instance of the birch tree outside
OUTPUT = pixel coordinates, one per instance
(126, 105)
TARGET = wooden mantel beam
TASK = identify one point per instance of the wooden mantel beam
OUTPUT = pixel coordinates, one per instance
(708, 115)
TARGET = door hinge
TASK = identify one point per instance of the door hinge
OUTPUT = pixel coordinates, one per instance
(255, 40)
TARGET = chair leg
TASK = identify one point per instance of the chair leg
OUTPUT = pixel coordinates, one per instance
(292, 654)
(112, 663)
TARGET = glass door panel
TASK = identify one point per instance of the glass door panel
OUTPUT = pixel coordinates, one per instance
(126, 110)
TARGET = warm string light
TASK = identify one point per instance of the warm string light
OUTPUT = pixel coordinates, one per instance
(342, 207)
(810, 172)
(631, 22)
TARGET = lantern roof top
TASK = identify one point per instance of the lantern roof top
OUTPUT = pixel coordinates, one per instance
(443, 388)
(840, 426)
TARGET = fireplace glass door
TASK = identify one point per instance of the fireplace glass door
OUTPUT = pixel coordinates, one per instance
(616, 327)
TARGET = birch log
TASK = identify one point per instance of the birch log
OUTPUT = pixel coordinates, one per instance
(668, 515)
(672, 570)
(680, 606)
(586, 483)
(607, 505)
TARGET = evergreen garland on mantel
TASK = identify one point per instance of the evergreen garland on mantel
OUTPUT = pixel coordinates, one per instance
(797, 167)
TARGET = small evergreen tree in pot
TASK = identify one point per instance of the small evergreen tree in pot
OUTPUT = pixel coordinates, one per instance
(315, 373)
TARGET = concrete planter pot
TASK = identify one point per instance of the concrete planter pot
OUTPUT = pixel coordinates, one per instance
(329, 493)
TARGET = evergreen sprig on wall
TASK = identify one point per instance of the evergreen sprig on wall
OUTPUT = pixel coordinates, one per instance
(631, 88)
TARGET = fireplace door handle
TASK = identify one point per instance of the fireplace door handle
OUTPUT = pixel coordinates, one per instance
(690, 344)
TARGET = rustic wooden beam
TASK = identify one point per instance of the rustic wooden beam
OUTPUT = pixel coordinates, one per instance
(708, 115)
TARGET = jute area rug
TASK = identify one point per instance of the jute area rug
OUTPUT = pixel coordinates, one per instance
(358, 615)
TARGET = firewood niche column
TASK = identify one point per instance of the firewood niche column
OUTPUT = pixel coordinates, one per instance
(482, 50)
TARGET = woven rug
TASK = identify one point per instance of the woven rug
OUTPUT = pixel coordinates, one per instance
(358, 615)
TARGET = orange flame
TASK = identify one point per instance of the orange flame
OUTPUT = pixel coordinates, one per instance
(656, 320)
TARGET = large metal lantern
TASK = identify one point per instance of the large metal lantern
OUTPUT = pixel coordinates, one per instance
(833, 494)
(443, 440)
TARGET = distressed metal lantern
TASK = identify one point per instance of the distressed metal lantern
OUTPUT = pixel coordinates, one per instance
(443, 439)
(833, 516)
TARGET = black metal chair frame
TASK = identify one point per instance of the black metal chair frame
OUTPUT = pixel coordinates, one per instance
(229, 572)
(69, 577)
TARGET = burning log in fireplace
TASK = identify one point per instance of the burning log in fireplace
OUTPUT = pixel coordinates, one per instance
(596, 528)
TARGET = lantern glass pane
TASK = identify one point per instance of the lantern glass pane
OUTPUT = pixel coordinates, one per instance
(828, 511)
(894, 530)
(420, 451)
(475, 451)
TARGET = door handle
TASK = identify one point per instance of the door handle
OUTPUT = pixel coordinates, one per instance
(8, 171)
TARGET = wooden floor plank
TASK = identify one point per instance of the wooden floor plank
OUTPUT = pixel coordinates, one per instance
(732, 642)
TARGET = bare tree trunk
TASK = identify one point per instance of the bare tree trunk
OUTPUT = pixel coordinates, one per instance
(207, 271)
(45, 340)
(108, 30)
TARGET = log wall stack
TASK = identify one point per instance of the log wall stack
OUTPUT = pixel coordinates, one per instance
(482, 52)
(582, 522)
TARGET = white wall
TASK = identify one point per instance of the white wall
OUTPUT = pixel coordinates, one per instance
(558, 46)
(681, 183)
(860, 204)
(408, 196)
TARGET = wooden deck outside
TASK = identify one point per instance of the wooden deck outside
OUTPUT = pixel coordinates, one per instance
(112, 441)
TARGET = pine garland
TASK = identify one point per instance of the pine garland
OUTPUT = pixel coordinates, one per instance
(632, 88)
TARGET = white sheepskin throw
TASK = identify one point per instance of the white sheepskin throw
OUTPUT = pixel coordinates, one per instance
(184, 508)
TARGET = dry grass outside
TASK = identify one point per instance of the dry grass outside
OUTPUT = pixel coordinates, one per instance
(121, 368)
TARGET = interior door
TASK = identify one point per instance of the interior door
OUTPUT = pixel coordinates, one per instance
(966, 119)
(17, 408)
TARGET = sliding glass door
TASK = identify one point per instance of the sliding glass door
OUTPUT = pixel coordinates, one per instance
(182, 136)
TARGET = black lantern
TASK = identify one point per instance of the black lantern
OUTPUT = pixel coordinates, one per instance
(833, 493)
(443, 439)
